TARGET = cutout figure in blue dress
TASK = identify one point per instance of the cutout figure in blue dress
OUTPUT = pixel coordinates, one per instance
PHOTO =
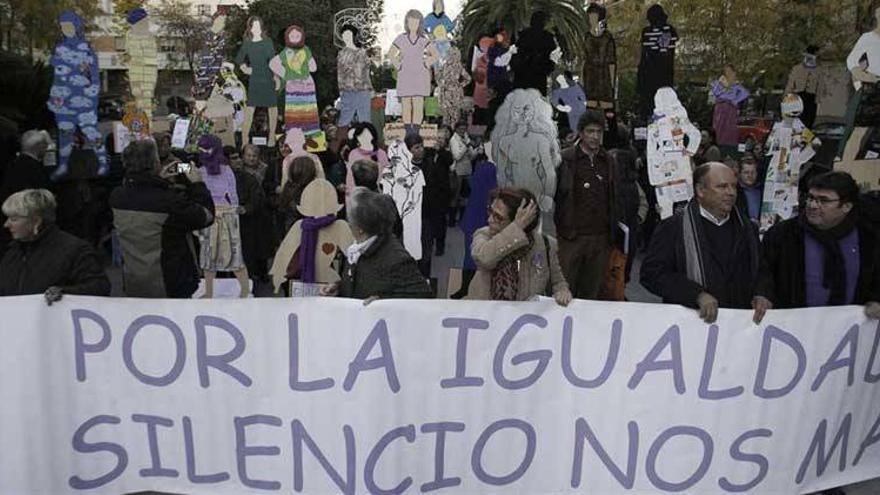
(74, 94)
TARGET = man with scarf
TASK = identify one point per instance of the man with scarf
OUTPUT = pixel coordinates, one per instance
(826, 256)
(705, 256)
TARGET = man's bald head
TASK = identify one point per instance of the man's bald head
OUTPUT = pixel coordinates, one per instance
(715, 186)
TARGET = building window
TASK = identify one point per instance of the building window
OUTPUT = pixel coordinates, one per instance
(204, 10)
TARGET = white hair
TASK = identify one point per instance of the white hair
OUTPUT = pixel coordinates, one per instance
(35, 142)
(31, 203)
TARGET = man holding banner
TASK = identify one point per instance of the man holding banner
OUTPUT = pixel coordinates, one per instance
(707, 255)
(827, 256)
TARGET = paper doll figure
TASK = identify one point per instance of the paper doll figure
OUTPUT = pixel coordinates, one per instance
(729, 95)
(657, 62)
(805, 81)
(231, 87)
(442, 43)
(480, 70)
(600, 61)
(141, 57)
(294, 66)
(412, 53)
(524, 145)
(253, 60)
(363, 140)
(73, 97)
(210, 60)
(404, 182)
(669, 159)
(863, 63)
(532, 63)
(136, 121)
(450, 87)
(438, 17)
(789, 146)
(309, 248)
(569, 99)
(296, 142)
(353, 75)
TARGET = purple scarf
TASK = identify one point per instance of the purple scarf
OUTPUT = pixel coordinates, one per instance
(309, 245)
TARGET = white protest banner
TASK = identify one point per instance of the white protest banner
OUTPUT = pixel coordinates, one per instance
(328, 396)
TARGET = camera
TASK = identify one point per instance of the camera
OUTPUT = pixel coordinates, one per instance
(184, 168)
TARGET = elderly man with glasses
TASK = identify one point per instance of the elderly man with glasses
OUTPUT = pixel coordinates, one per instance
(826, 256)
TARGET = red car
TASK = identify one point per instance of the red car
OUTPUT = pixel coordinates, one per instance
(754, 129)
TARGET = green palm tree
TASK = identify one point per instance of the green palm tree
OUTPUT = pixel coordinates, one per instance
(567, 19)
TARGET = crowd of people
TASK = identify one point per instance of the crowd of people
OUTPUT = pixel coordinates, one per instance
(179, 220)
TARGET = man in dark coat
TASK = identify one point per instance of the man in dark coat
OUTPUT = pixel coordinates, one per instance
(155, 217)
(829, 255)
(588, 208)
(435, 199)
(706, 256)
(25, 172)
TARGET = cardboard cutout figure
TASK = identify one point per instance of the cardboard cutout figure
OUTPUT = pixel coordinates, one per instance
(353, 74)
(805, 81)
(533, 59)
(729, 95)
(307, 252)
(404, 182)
(363, 140)
(790, 145)
(480, 70)
(412, 53)
(141, 55)
(295, 65)
(438, 17)
(450, 87)
(599, 72)
(298, 144)
(863, 114)
(569, 99)
(231, 88)
(253, 60)
(73, 97)
(669, 159)
(657, 63)
(210, 60)
(525, 146)
(136, 122)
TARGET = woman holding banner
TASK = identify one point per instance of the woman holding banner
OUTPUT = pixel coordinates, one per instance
(377, 266)
(514, 262)
(42, 258)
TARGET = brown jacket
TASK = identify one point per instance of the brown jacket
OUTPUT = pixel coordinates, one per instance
(536, 272)
(566, 213)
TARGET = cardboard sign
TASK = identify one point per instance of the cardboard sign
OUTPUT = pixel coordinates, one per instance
(396, 131)
(181, 131)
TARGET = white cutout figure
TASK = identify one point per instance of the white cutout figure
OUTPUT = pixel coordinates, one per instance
(404, 182)
(790, 145)
(669, 160)
(526, 150)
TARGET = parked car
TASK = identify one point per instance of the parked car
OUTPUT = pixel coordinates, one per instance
(754, 129)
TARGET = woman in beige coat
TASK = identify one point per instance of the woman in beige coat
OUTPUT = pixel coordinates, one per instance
(514, 263)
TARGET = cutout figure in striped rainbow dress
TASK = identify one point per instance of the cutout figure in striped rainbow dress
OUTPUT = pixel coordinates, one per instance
(295, 65)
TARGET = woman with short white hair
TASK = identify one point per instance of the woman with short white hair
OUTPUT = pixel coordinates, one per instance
(43, 259)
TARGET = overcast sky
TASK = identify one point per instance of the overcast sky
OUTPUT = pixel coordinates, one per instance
(395, 9)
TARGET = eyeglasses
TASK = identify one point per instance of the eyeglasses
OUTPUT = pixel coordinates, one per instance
(821, 201)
